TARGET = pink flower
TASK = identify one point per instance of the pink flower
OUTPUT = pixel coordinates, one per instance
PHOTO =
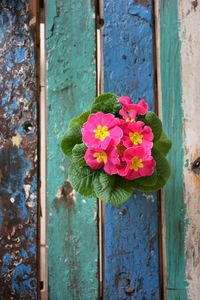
(130, 110)
(136, 134)
(122, 165)
(139, 162)
(122, 169)
(125, 100)
(100, 129)
(97, 158)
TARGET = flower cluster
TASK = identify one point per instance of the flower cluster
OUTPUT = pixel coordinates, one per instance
(121, 146)
(115, 147)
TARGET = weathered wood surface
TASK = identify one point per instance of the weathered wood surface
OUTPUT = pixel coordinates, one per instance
(172, 113)
(131, 262)
(71, 77)
(189, 16)
(180, 89)
(18, 152)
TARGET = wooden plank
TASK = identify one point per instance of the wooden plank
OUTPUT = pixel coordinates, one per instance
(18, 152)
(71, 76)
(171, 91)
(189, 18)
(131, 266)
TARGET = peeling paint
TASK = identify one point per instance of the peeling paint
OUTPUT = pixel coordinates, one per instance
(71, 75)
(18, 167)
(172, 115)
(131, 262)
(16, 140)
(65, 195)
(195, 4)
(190, 36)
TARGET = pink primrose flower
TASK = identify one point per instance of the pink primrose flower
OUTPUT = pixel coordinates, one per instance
(100, 130)
(139, 162)
(137, 134)
(122, 165)
(97, 158)
(125, 100)
(130, 110)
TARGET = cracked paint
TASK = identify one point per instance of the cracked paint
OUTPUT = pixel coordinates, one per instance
(190, 37)
(131, 263)
(71, 76)
(16, 140)
(18, 166)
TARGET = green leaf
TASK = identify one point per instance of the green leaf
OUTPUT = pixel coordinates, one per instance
(78, 153)
(71, 138)
(154, 122)
(106, 103)
(164, 144)
(82, 178)
(163, 174)
(80, 120)
(148, 180)
(112, 189)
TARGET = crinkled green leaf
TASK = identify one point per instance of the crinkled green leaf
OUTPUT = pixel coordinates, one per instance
(82, 178)
(164, 144)
(163, 174)
(106, 103)
(148, 180)
(112, 189)
(71, 138)
(154, 122)
(78, 153)
(80, 120)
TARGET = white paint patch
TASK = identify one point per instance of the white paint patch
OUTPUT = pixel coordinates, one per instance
(31, 202)
(62, 168)
(27, 188)
(190, 38)
(12, 200)
(16, 140)
(148, 197)
(32, 21)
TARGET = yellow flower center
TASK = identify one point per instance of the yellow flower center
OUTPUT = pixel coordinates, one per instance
(136, 138)
(101, 157)
(136, 163)
(101, 132)
(128, 119)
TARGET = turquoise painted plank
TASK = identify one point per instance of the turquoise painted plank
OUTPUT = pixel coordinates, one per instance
(72, 219)
(18, 152)
(131, 263)
(171, 82)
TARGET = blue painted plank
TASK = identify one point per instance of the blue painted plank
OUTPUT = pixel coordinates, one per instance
(18, 157)
(131, 263)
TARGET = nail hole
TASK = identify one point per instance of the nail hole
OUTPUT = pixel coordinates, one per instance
(28, 127)
(123, 212)
(196, 166)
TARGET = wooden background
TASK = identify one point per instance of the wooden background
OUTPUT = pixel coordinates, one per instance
(151, 244)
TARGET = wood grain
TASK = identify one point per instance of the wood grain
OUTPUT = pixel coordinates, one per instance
(71, 79)
(189, 18)
(172, 115)
(131, 266)
(18, 152)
